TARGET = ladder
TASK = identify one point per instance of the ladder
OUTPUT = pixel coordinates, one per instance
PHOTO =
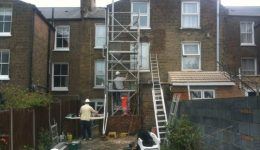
(174, 107)
(158, 99)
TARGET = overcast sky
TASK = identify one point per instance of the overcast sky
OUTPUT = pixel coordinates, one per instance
(102, 3)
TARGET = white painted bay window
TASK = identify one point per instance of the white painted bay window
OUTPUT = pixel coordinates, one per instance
(141, 9)
(247, 33)
(62, 40)
(99, 74)
(4, 64)
(144, 52)
(190, 14)
(100, 36)
(5, 19)
(202, 94)
(248, 66)
(60, 76)
(191, 59)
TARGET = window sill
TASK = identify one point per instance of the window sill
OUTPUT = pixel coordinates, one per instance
(144, 71)
(61, 89)
(4, 78)
(190, 70)
(141, 28)
(186, 28)
(61, 50)
(253, 75)
(98, 47)
(5, 34)
(247, 44)
(99, 87)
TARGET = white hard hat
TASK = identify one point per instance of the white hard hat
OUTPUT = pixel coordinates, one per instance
(117, 73)
(87, 100)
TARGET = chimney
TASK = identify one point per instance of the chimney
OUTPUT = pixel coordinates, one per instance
(87, 5)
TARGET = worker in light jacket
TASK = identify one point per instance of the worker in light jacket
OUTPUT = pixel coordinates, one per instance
(85, 122)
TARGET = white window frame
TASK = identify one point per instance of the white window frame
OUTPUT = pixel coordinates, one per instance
(5, 77)
(5, 6)
(96, 38)
(203, 93)
(60, 88)
(187, 55)
(140, 57)
(189, 14)
(59, 48)
(141, 14)
(255, 62)
(253, 34)
(95, 75)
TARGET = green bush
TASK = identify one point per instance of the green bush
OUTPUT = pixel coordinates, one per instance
(17, 97)
(44, 139)
(183, 135)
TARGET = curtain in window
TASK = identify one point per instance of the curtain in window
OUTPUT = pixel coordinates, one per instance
(100, 40)
(246, 29)
(248, 66)
(5, 18)
(100, 73)
(190, 15)
(191, 62)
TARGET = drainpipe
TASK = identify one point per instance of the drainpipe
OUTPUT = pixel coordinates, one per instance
(30, 68)
(218, 35)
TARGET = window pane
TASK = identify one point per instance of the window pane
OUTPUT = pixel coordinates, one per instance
(64, 69)
(100, 31)
(248, 66)
(196, 95)
(7, 27)
(100, 80)
(190, 21)
(5, 57)
(100, 67)
(140, 7)
(100, 42)
(59, 42)
(208, 94)
(1, 26)
(190, 8)
(143, 21)
(8, 18)
(66, 31)
(191, 49)
(191, 62)
(56, 81)
(5, 69)
(144, 60)
(57, 69)
(63, 82)
(243, 27)
(65, 42)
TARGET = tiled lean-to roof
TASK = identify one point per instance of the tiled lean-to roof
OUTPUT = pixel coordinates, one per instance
(199, 78)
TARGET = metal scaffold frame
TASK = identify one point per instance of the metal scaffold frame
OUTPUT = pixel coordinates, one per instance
(124, 58)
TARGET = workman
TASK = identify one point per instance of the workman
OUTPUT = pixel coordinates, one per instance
(85, 122)
(118, 82)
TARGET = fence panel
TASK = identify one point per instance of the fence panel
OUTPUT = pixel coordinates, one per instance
(5, 116)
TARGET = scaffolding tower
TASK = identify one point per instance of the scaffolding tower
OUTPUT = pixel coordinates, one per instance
(123, 41)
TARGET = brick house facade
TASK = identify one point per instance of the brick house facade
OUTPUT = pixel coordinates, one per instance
(72, 63)
(241, 50)
(24, 45)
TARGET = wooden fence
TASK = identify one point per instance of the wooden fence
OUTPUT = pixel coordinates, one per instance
(22, 126)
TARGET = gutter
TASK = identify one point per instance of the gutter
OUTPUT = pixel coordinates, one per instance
(218, 36)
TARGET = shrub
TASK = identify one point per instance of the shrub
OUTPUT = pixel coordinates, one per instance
(183, 135)
(45, 140)
(17, 97)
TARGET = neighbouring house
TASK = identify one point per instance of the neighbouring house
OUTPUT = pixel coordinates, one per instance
(77, 63)
(241, 50)
(25, 37)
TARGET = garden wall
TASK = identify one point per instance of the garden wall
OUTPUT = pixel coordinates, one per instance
(27, 123)
(226, 123)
